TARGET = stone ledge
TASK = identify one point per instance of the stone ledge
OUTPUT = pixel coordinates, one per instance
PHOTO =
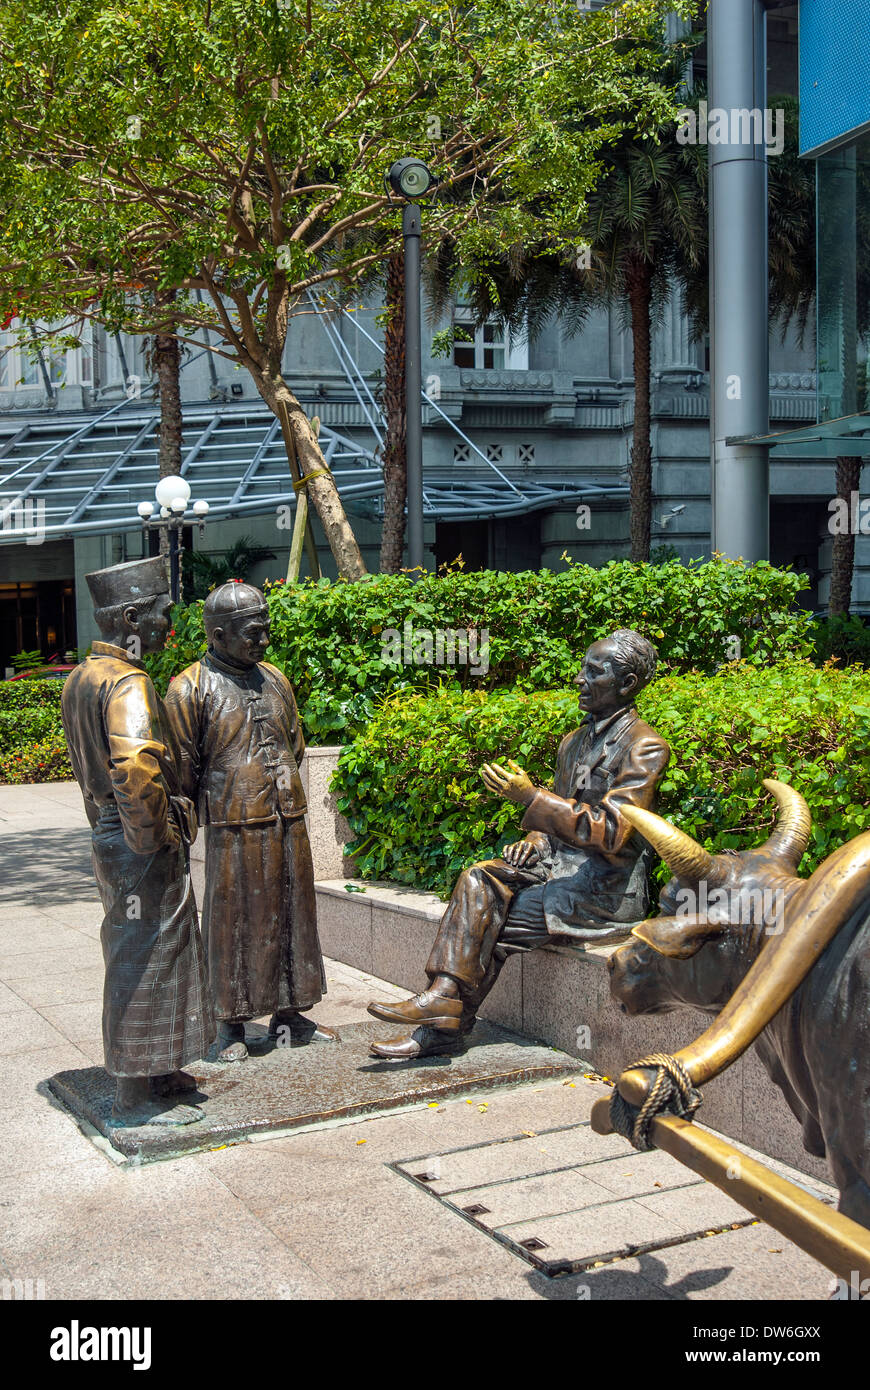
(559, 995)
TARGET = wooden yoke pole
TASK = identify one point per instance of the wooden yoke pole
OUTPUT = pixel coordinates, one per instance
(836, 1241)
(832, 896)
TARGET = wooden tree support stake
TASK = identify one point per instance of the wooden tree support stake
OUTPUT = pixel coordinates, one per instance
(302, 532)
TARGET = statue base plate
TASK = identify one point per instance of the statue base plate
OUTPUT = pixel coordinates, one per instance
(281, 1088)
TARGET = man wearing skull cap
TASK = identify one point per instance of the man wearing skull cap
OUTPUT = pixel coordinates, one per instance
(241, 743)
(156, 1008)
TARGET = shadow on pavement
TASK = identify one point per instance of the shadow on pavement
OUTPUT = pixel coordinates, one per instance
(46, 866)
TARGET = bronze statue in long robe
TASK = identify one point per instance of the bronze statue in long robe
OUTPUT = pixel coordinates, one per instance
(156, 1006)
(241, 744)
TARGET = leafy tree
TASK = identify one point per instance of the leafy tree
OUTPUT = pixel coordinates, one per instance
(238, 149)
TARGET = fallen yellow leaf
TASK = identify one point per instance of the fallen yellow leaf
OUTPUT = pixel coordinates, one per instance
(362, 1141)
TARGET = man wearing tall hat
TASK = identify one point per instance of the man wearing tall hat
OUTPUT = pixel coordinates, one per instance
(156, 1008)
(235, 719)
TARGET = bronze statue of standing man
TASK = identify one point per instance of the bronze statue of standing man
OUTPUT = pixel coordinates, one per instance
(241, 744)
(156, 1008)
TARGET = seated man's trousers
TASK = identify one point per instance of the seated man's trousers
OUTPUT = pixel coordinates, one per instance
(495, 910)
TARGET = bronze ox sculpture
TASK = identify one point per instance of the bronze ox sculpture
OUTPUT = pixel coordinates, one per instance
(817, 1047)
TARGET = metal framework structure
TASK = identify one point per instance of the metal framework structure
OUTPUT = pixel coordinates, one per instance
(78, 473)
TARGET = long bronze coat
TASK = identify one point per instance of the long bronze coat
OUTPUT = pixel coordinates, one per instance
(156, 1008)
(241, 744)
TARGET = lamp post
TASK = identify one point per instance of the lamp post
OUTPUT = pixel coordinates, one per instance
(411, 180)
(173, 494)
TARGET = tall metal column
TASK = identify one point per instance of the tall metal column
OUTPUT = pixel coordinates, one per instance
(739, 391)
(411, 226)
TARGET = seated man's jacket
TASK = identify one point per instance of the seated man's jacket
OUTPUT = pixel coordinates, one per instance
(596, 867)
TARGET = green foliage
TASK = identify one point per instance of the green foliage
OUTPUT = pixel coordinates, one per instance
(185, 644)
(105, 108)
(22, 660)
(328, 637)
(847, 639)
(32, 743)
(410, 785)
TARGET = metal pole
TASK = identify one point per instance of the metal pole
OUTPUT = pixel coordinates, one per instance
(173, 563)
(739, 391)
(411, 226)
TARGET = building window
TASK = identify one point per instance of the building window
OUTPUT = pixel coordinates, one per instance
(461, 453)
(526, 453)
(482, 348)
(19, 364)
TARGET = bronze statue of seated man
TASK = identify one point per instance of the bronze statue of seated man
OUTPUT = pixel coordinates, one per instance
(580, 872)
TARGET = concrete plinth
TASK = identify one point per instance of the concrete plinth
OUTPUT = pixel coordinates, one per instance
(279, 1089)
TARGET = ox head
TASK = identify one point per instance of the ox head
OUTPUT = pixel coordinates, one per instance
(730, 900)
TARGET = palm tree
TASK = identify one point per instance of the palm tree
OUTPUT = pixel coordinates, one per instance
(646, 232)
(395, 414)
(205, 572)
(644, 229)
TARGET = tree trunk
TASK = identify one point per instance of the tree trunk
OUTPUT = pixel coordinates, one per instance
(395, 411)
(639, 290)
(322, 490)
(843, 550)
(166, 360)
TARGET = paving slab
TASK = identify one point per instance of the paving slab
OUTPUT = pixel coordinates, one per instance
(540, 1194)
(75, 987)
(754, 1262)
(22, 1076)
(10, 1002)
(46, 863)
(34, 965)
(172, 1231)
(26, 1031)
(281, 1088)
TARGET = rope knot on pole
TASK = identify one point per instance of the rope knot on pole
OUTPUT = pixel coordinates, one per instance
(671, 1093)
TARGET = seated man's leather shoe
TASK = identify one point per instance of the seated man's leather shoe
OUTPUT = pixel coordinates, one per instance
(431, 1009)
(423, 1042)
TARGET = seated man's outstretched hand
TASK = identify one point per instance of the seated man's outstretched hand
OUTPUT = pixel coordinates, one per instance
(521, 855)
(512, 782)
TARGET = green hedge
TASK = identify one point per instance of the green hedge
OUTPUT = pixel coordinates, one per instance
(411, 791)
(32, 744)
(328, 636)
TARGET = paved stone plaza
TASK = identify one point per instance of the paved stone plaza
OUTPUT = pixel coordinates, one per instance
(476, 1196)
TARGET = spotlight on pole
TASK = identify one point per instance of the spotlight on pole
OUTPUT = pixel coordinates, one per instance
(410, 179)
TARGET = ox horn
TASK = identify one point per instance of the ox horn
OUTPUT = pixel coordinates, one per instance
(683, 855)
(792, 834)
